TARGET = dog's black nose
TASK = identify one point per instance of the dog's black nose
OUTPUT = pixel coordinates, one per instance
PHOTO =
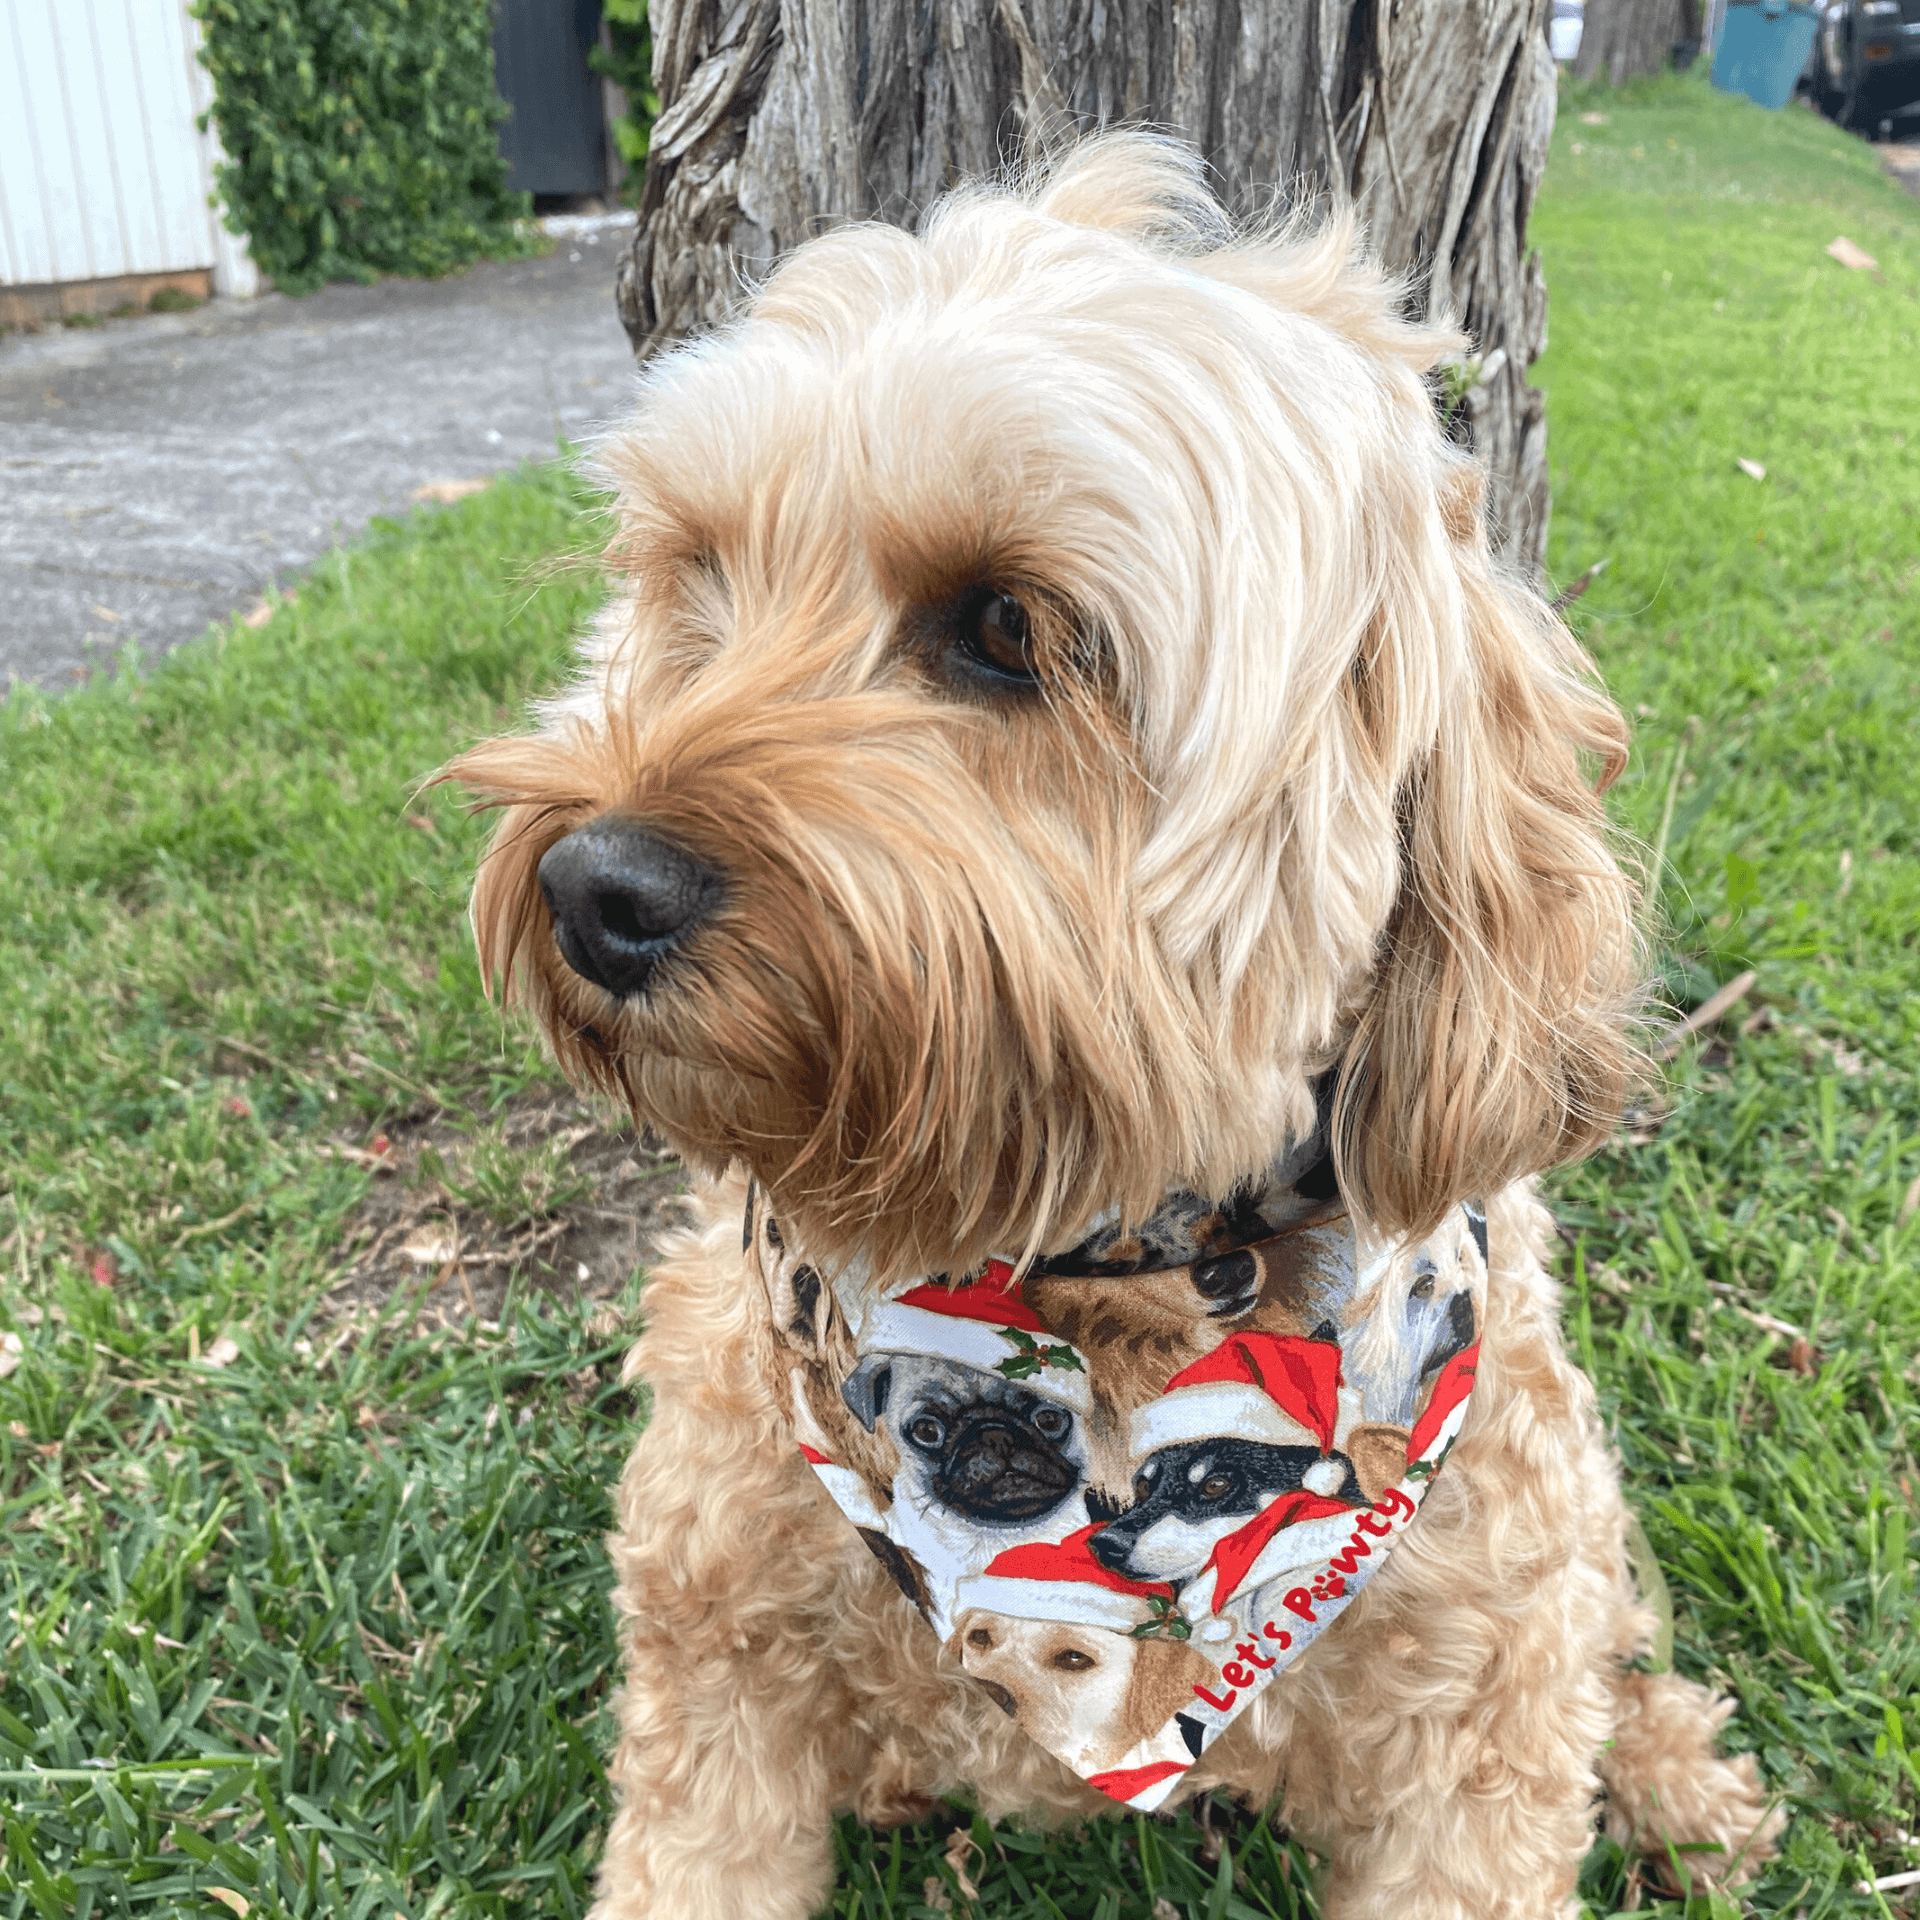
(1113, 1550)
(621, 900)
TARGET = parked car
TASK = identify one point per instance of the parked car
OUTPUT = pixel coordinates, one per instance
(1866, 61)
(1563, 30)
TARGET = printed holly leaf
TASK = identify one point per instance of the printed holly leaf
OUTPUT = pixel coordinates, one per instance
(1165, 1623)
(1426, 1469)
(1033, 1356)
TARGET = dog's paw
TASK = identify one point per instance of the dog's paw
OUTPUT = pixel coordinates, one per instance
(1230, 1285)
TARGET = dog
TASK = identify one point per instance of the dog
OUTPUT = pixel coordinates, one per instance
(1056, 740)
(972, 1443)
(1188, 1498)
(1090, 1695)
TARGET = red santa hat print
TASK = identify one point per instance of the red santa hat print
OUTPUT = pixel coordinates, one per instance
(1273, 1388)
(1061, 1580)
(981, 1323)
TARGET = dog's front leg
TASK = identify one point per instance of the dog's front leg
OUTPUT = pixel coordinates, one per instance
(736, 1735)
(755, 1627)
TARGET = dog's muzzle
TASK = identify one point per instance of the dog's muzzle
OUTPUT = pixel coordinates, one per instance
(622, 900)
(994, 1471)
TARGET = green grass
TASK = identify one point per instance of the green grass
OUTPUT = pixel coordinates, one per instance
(324, 1626)
(1766, 635)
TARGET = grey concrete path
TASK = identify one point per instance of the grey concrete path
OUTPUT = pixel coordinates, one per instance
(157, 473)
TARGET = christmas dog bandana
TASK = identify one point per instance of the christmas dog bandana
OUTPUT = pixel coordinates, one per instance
(1131, 1487)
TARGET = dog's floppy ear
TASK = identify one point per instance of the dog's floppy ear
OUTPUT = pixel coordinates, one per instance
(1165, 1673)
(1492, 1042)
(866, 1388)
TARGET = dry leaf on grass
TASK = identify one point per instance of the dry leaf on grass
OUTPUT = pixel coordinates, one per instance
(1593, 119)
(236, 1902)
(1857, 258)
(432, 1246)
(448, 491)
(12, 1348)
(262, 611)
(223, 1353)
(960, 1844)
(377, 1159)
(1752, 469)
(1802, 1357)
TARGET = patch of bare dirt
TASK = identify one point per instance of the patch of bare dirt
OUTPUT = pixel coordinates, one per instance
(1903, 162)
(471, 1211)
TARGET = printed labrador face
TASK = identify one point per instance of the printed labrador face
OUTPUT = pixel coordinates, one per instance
(1436, 1324)
(1188, 1498)
(1087, 1694)
(982, 1447)
(1065, 1684)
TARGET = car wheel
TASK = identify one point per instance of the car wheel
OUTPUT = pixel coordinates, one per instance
(1847, 113)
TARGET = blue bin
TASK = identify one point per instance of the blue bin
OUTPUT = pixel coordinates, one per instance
(1761, 47)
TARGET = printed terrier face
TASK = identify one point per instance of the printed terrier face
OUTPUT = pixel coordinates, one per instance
(1188, 1498)
(986, 1448)
(1054, 700)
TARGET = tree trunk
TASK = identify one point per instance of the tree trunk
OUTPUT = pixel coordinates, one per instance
(1623, 39)
(781, 117)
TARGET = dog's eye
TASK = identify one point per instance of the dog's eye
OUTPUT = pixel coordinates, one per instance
(1052, 1423)
(994, 634)
(1142, 1486)
(1216, 1486)
(1422, 1288)
(925, 1431)
(980, 1639)
(1072, 1660)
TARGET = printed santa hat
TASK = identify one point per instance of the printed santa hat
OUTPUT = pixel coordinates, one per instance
(851, 1494)
(1274, 1388)
(1446, 1407)
(974, 1323)
(1314, 1525)
(1060, 1580)
(1135, 1786)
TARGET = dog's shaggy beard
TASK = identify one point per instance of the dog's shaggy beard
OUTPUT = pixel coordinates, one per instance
(917, 1016)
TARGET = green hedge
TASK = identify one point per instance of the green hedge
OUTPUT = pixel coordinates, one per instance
(627, 60)
(359, 134)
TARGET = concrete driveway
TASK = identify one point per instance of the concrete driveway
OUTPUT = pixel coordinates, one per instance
(157, 473)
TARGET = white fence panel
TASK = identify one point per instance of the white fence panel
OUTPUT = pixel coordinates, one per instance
(102, 169)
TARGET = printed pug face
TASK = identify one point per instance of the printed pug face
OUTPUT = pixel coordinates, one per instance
(985, 1449)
